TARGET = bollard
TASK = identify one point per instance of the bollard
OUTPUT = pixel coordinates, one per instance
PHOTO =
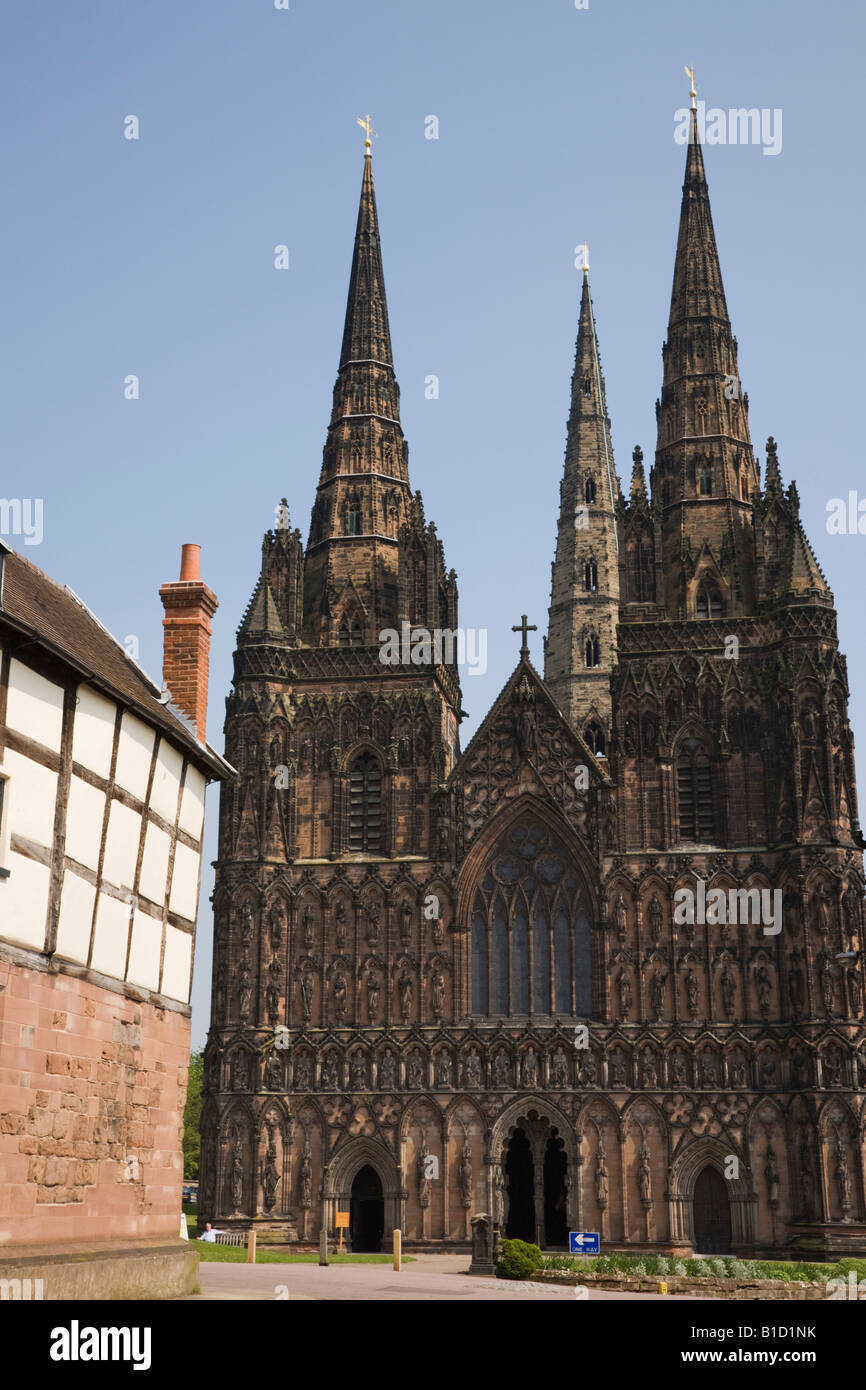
(663, 1288)
(398, 1250)
(323, 1247)
(251, 1246)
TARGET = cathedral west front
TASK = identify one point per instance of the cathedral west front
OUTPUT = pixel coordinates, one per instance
(457, 980)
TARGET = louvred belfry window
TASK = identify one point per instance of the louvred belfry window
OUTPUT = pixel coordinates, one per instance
(365, 806)
(695, 789)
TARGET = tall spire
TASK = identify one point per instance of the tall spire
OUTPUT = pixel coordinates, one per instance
(363, 498)
(705, 471)
(580, 650)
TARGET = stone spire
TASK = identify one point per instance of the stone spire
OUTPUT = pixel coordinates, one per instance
(363, 497)
(705, 470)
(580, 650)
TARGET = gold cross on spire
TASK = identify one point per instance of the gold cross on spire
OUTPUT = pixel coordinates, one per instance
(524, 627)
(366, 124)
(585, 249)
(690, 74)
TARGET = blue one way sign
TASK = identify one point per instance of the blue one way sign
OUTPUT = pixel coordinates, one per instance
(584, 1242)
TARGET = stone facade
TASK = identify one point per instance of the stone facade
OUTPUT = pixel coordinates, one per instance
(455, 982)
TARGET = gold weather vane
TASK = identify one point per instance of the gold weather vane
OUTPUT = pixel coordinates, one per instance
(690, 74)
(366, 124)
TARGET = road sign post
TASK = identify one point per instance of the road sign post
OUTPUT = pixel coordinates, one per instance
(584, 1242)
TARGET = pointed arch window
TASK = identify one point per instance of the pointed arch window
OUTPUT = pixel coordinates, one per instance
(595, 738)
(353, 517)
(530, 929)
(365, 806)
(592, 652)
(695, 794)
(705, 481)
(590, 576)
(589, 491)
(709, 603)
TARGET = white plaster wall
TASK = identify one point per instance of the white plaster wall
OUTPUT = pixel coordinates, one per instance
(111, 936)
(93, 730)
(192, 803)
(34, 706)
(154, 865)
(184, 882)
(176, 964)
(85, 809)
(134, 753)
(166, 782)
(76, 917)
(24, 902)
(32, 792)
(145, 951)
(121, 845)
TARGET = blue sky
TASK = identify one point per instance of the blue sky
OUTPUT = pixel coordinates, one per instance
(556, 125)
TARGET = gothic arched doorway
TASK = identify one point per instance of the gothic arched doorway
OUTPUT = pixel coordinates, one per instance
(367, 1211)
(712, 1213)
(520, 1174)
(555, 1192)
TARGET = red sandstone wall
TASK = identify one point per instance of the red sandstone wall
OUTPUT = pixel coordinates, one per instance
(88, 1080)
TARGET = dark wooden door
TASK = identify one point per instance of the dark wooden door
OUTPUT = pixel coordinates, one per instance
(712, 1214)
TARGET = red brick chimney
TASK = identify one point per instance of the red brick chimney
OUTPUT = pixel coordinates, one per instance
(189, 606)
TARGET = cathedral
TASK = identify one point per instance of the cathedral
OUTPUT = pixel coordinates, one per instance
(538, 977)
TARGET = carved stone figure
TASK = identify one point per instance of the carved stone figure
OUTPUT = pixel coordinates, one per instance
(623, 989)
(246, 922)
(833, 1066)
(308, 925)
(405, 923)
(274, 1072)
(308, 984)
(465, 1175)
(501, 1070)
(237, 1176)
(473, 1070)
(341, 996)
(415, 1075)
(807, 1174)
(277, 919)
(620, 916)
(601, 1178)
(588, 1070)
(437, 993)
(559, 1068)
(708, 1070)
(374, 915)
(358, 1071)
(843, 1177)
(657, 992)
(330, 1074)
(270, 1177)
(303, 1073)
(650, 1071)
(272, 992)
(822, 903)
(645, 1176)
(764, 986)
(423, 1174)
(692, 992)
(679, 1072)
(241, 1071)
(407, 994)
(373, 987)
(825, 979)
(654, 917)
(306, 1178)
(340, 922)
(245, 993)
(530, 1067)
(771, 1173)
(854, 990)
(388, 1071)
(444, 1069)
(729, 991)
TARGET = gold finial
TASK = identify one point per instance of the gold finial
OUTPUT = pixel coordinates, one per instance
(366, 124)
(690, 74)
(585, 249)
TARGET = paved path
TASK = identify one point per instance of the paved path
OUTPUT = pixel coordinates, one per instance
(428, 1277)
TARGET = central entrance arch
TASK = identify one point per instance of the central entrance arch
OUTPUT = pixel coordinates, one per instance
(520, 1180)
(367, 1211)
(712, 1213)
(535, 1172)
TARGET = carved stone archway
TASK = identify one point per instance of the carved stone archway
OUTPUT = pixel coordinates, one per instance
(540, 1122)
(684, 1173)
(341, 1172)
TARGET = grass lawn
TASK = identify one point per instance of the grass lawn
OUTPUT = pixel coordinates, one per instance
(235, 1254)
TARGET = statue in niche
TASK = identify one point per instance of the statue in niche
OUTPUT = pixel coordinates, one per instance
(308, 984)
(650, 733)
(237, 1176)
(423, 1170)
(405, 923)
(277, 919)
(559, 1069)
(437, 991)
(443, 1069)
(388, 1071)
(764, 986)
(330, 1075)
(246, 922)
(270, 1176)
(645, 1175)
(374, 914)
(807, 1174)
(808, 721)
(650, 1074)
(623, 989)
(274, 1073)
(303, 1073)
(692, 992)
(843, 1177)
(861, 1070)
(709, 706)
(241, 1071)
(852, 917)
(473, 1069)
(771, 1173)
(334, 754)
(359, 1072)
(708, 1070)
(525, 720)
(416, 1072)
(768, 1069)
(729, 991)
(500, 1194)
(799, 1069)
(465, 1175)
(630, 735)
(588, 1071)
(272, 991)
(443, 829)
(222, 975)
(657, 992)
(407, 994)
(341, 996)
(825, 979)
(738, 1069)
(601, 1177)
(306, 1177)
(340, 921)
(822, 910)
(854, 989)
(245, 992)
(373, 987)
(679, 1071)
(501, 1070)
(212, 1071)
(654, 916)
(672, 708)
(530, 1067)
(617, 1069)
(833, 1066)
(620, 915)
(307, 924)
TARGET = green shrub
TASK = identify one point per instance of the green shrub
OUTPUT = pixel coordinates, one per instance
(678, 1267)
(518, 1259)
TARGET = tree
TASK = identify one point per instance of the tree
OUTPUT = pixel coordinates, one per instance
(192, 1116)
